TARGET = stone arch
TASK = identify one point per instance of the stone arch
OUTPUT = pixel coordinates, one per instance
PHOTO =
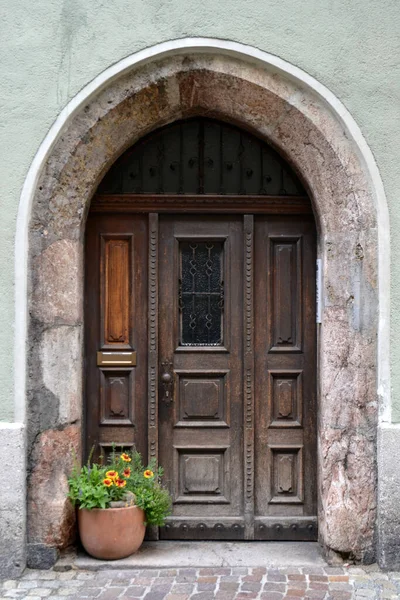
(298, 123)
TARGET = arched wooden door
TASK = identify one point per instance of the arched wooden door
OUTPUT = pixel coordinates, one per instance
(200, 329)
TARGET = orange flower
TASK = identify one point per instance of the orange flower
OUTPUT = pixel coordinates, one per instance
(108, 482)
(125, 457)
(112, 474)
(127, 472)
(120, 483)
(148, 474)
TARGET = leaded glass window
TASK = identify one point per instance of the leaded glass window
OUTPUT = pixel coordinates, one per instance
(201, 293)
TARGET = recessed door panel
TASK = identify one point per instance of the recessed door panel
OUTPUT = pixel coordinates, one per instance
(285, 260)
(202, 398)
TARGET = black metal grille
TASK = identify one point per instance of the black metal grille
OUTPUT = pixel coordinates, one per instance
(201, 156)
(201, 293)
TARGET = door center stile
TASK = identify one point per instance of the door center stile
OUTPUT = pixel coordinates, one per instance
(153, 362)
(248, 374)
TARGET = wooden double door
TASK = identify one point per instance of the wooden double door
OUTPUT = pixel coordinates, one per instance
(201, 351)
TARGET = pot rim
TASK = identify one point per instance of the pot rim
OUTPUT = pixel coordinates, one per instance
(108, 509)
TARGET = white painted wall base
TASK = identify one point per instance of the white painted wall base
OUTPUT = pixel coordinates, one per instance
(388, 526)
(13, 500)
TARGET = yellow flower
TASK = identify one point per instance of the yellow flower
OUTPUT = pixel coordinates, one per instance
(148, 474)
(120, 483)
(125, 457)
(108, 482)
(126, 472)
(112, 475)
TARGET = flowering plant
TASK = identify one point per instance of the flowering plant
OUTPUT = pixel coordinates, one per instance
(123, 482)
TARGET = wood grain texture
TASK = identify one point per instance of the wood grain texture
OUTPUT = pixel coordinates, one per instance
(153, 335)
(116, 320)
(237, 434)
(210, 203)
(285, 376)
(201, 431)
(116, 287)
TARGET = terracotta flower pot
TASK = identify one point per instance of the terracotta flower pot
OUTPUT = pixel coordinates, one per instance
(111, 533)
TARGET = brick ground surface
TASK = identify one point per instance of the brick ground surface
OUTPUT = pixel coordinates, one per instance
(223, 583)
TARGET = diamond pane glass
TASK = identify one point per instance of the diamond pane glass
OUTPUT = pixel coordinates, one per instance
(201, 293)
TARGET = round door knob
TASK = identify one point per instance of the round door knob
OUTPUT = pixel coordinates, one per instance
(166, 378)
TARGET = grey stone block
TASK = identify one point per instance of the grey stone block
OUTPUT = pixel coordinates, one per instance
(40, 556)
(12, 500)
(389, 496)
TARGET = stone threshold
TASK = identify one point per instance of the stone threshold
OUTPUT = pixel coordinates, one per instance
(166, 554)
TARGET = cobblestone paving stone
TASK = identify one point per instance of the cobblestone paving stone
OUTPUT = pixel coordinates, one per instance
(222, 583)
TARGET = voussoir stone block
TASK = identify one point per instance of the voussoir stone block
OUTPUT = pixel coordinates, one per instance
(51, 517)
(61, 361)
(56, 296)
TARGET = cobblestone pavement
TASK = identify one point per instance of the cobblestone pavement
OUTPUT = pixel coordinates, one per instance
(222, 583)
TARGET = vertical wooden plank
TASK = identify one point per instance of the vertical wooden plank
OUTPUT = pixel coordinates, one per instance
(248, 374)
(153, 532)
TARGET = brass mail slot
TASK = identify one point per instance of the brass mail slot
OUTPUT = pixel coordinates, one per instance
(116, 359)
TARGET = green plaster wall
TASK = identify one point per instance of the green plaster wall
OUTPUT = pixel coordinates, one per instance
(50, 49)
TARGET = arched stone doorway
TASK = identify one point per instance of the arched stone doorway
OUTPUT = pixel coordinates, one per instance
(309, 137)
(200, 267)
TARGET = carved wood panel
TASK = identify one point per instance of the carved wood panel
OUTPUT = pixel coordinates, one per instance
(116, 396)
(248, 369)
(287, 475)
(202, 398)
(285, 393)
(153, 290)
(286, 301)
(116, 290)
(116, 320)
(203, 476)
